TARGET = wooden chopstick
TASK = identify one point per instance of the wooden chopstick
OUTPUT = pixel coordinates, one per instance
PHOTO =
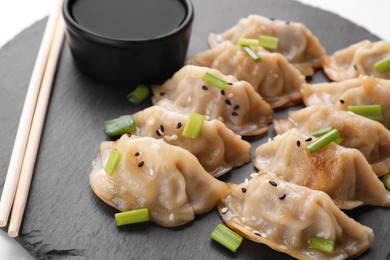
(26, 118)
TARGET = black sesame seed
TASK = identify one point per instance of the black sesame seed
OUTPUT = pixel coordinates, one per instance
(236, 107)
(282, 197)
(243, 190)
(257, 233)
(223, 92)
(162, 93)
(178, 125)
(158, 132)
(354, 66)
(162, 128)
(287, 22)
(272, 19)
(308, 139)
(299, 143)
(140, 164)
(228, 102)
(234, 113)
(273, 183)
(204, 87)
(230, 83)
(341, 101)
(129, 134)
(137, 154)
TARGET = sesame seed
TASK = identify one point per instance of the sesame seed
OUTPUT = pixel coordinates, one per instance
(243, 190)
(224, 210)
(204, 87)
(287, 22)
(272, 19)
(137, 154)
(299, 143)
(354, 66)
(162, 94)
(151, 172)
(254, 175)
(140, 164)
(228, 102)
(246, 181)
(341, 101)
(273, 183)
(282, 197)
(308, 139)
(158, 132)
(236, 107)
(243, 219)
(223, 92)
(171, 217)
(162, 128)
(129, 134)
(230, 83)
(234, 113)
(178, 125)
(257, 233)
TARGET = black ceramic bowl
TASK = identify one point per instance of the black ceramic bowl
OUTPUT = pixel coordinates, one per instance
(128, 61)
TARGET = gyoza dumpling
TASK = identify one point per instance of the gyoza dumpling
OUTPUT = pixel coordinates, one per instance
(217, 148)
(357, 59)
(284, 216)
(296, 42)
(239, 106)
(166, 179)
(274, 78)
(342, 173)
(368, 136)
(364, 90)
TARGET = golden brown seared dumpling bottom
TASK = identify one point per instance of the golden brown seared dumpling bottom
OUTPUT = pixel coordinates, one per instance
(274, 78)
(365, 90)
(152, 174)
(284, 216)
(217, 148)
(296, 42)
(342, 173)
(371, 138)
(357, 59)
(239, 106)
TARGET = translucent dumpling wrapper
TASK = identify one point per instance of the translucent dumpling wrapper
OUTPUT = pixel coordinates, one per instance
(217, 148)
(167, 180)
(370, 137)
(296, 42)
(238, 106)
(364, 90)
(284, 216)
(343, 173)
(357, 59)
(274, 78)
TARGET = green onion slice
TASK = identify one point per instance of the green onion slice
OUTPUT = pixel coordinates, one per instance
(248, 42)
(339, 140)
(120, 125)
(139, 94)
(386, 180)
(324, 140)
(131, 217)
(251, 53)
(268, 42)
(383, 65)
(214, 81)
(322, 244)
(373, 112)
(226, 237)
(321, 131)
(112, 162)
(194, 125)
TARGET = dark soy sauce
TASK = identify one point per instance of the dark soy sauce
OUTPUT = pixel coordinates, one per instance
(129, 19)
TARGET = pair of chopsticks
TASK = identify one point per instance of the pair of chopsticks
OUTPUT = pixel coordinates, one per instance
(28, 136)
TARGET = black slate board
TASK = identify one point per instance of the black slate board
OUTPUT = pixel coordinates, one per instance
(64, 219)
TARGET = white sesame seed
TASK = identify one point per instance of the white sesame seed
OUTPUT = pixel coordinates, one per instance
(246, 181)
(224, 210)
(254, 175)
(230, 95)
(151, 172)
(243, 219)
(171, 217)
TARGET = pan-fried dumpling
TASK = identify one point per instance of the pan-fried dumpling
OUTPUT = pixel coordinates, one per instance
(274, 78)
(152, 174)
(368, 136)
(217, 148)
(357, 59)
(342, 173)
(364, 90)
(238, 106)
(284, 216)
(296, 42)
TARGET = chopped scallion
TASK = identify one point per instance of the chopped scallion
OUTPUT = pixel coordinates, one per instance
(194, 125)
(248, 42)
(120, 125)
(251, 53)
(139, 94)
(373, 112)
(268, 42)
(383, 65)
(324, 140)
(386, 180)
(322, 244)
(112, 162)
(321, 131)
(214, 81)
(131, 217)
(339, 140)
(226, 237)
